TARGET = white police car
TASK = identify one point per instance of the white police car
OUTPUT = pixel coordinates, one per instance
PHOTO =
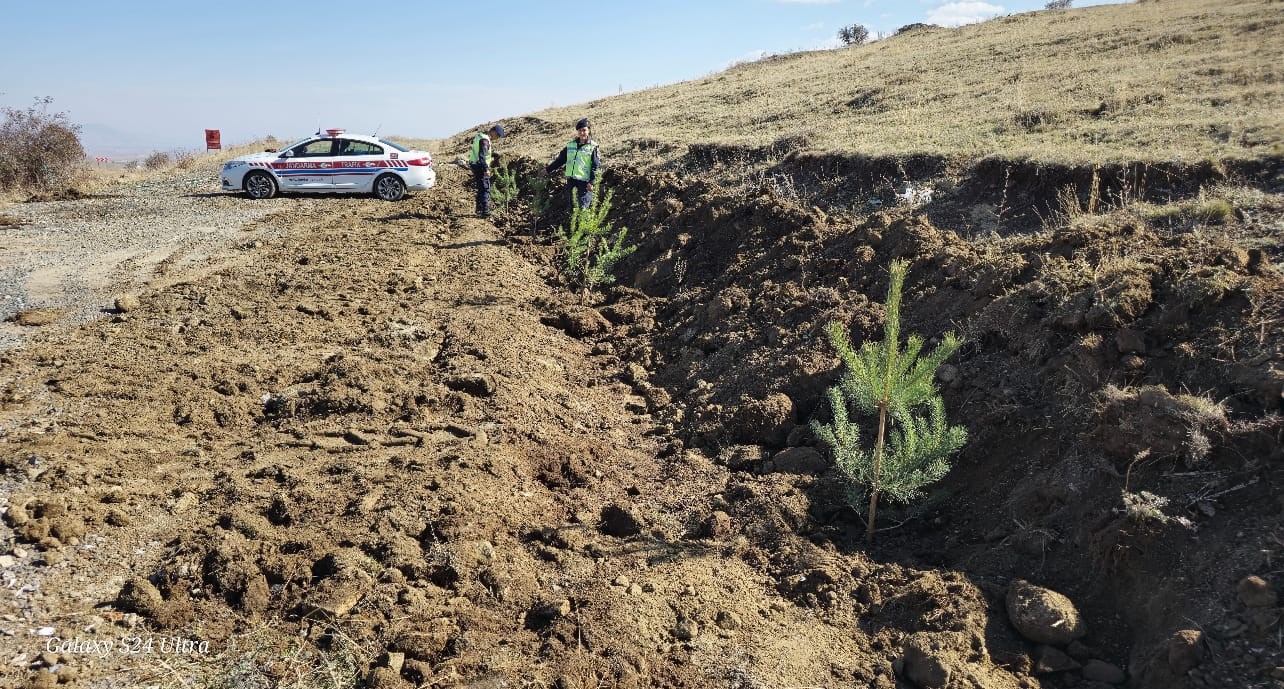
(332, 161)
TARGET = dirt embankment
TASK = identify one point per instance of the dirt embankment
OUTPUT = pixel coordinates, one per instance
(389, 447)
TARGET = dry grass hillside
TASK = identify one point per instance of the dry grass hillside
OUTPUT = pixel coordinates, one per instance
(1169, 80)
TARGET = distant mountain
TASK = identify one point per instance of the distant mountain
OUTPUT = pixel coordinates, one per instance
(105, 140)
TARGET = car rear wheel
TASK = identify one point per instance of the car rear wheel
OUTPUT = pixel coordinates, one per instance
(389, 188)
(260, 185)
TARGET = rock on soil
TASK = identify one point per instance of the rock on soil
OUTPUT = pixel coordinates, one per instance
(1043, 615)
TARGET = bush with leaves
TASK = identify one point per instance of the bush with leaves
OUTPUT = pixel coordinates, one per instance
(894, 384)
(591, 244)
(1058, 5)
(853, 35)
(39, 150)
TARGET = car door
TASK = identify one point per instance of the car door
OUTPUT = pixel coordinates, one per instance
(358, 163)
(308, 166)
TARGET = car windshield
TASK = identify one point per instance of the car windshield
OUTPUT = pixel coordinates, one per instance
(397, 146)
(296, 143)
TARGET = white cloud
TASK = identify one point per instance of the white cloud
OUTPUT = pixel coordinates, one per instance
(960, 13)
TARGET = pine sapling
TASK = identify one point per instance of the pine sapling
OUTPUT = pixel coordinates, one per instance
(503, 187)
(539, 199)
(911, 450)
(592, 245)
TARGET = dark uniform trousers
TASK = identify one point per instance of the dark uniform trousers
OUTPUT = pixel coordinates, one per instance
(483, 188)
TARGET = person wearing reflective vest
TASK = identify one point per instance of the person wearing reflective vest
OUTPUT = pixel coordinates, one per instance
(582, 164)
(481, 156)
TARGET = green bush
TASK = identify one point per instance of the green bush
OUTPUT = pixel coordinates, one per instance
(853, 35)
(883, 380)
(38, 150)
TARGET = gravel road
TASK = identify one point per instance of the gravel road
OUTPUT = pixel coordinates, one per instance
(75, 257)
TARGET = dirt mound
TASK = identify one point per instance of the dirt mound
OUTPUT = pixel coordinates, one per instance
(393, 449)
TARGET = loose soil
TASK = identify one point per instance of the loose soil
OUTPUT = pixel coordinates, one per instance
(390, 446)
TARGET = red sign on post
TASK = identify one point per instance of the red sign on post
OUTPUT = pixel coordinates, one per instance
(212, 140)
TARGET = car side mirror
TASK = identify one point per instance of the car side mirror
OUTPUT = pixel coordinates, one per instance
(287, 153)
(269, 150)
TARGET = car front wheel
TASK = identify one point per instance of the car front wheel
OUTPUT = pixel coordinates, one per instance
(389, 188)
(260, 185)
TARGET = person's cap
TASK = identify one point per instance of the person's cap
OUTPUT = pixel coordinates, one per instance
(582, 123)
(499, 130)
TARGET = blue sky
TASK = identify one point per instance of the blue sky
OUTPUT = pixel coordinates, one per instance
(146, 75)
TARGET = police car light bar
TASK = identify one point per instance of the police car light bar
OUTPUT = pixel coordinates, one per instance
(334, 132)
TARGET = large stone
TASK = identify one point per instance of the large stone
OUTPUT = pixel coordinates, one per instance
(1043, 615)
(1256, 592)
(1185, 650)
(1050, 660)
(1101, 671)
(127, 302)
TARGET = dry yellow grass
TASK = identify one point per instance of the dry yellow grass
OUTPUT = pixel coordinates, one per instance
(1171, 80)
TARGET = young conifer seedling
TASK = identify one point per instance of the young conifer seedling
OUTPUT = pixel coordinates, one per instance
(897, 386)
(592, 245)
(539, 200)
(504, 187)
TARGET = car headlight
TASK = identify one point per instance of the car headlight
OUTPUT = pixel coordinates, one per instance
(233, 164)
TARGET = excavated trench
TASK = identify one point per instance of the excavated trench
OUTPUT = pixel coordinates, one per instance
(1121, 382)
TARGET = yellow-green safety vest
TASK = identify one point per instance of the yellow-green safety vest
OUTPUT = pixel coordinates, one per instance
(474, 153)
(579, 159)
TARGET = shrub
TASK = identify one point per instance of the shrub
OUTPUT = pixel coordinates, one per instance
(853, 35)
(1213, 212)
(1144, 507)
(881, 379)
(915, 27)
(156, 160)
(1058, 5)
(592, 246)
(1166, 215)
(38, 149)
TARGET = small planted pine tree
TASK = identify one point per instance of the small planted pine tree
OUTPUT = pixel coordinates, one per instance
(591, 244)
(503, 187)
(894, 384)
(539, 199)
